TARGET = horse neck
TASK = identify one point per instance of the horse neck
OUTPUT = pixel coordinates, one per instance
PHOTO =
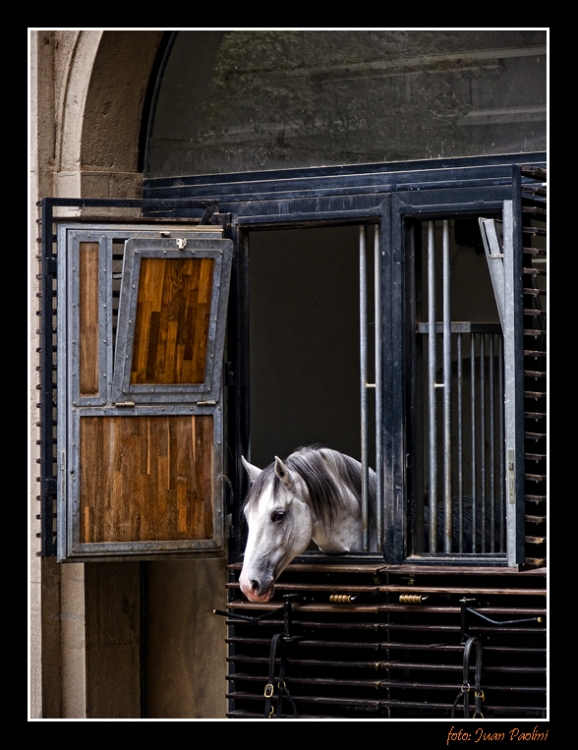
(344, 535)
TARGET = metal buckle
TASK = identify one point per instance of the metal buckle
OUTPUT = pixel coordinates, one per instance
(269, 690)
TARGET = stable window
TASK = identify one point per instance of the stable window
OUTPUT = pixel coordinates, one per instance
(456, 455)
(383, 316)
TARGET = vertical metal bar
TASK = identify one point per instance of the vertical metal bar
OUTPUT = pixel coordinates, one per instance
(447, 370)
(473, 436)
(483, 442)
(46, 323)
(502, 492)
(432, 388)
(239, 413)
(363, 381)
(460, 444)
(514, 375)
(378, 388)
(492, 448)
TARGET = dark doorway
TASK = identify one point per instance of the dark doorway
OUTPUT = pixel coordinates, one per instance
(304, 329)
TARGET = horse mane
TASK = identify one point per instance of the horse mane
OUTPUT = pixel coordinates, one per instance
(326, 477)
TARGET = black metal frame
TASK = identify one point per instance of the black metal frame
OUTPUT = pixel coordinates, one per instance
(392, 195)
(389, 194)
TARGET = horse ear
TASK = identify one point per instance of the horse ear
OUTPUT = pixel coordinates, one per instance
(283, 473)
(253, 472)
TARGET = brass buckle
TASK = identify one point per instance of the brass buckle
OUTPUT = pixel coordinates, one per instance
(269, 690)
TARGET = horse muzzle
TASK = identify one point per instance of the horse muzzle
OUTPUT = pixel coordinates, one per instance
(254, 591)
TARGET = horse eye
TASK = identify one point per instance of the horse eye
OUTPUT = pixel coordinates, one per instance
(277, 516)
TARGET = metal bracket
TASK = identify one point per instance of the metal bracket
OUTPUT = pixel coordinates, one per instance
(491, 235)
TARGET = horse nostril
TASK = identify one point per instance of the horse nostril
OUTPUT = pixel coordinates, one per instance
(255, 586)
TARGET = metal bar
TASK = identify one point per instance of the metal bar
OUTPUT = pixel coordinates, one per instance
(447, 375)
(363, 381)
(514, 376)
(494, 258)
(502, 492)
(473, 436)
(432, 388)
(461, 327)
(482, 443)
(378, 388)
(492, 447)
(46, 384)
(460, 441)
(129, 202)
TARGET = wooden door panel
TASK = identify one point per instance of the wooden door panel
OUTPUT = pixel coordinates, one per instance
(172, 323)
(141, 331)
(146, 479)
(88, 318)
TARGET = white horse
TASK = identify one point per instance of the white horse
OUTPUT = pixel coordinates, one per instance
(315, 494)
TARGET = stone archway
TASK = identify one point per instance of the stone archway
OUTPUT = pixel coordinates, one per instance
(105, 78)
(114, 112)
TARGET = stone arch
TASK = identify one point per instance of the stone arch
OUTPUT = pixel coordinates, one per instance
(88, 95)
(101, 108)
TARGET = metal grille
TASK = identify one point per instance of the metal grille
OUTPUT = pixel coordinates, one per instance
(459, 502)
(388, 642)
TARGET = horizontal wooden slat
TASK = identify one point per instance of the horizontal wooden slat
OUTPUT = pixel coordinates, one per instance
(376, 657)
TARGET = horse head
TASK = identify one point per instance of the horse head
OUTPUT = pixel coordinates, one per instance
(280, 527)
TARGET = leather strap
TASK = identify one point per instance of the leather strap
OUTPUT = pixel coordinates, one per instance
(282, 691)
(465, 686)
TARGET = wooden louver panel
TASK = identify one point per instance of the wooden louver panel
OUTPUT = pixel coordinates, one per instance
(388, 642)
(146, 478)
(172, 324)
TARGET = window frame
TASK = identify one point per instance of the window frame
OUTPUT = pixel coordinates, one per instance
(376, 193)
(385, 194)
(136, 251)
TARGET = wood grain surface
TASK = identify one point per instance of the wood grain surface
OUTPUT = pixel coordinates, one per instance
(172, 322)
(146, 478)
(88, 318)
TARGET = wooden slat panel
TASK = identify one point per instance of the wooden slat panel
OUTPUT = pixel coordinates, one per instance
(146, 478)
(172, 323)
(375, 656)
(88, 318)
